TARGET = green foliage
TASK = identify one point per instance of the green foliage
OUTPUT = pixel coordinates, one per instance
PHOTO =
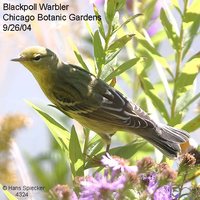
(60, 134)
(57, 171)
(122, 68)
(193, 124)
(166, 84)
(76, 155)
(168, 27)
(126, 151)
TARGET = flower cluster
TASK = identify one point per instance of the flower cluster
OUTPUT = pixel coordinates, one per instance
(145, 180)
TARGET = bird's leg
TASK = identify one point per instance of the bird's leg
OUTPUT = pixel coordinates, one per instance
(107, 148)
(107, 140)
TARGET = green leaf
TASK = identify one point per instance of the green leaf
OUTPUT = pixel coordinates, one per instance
(183, 100)
(192, 125)
(191, 22)
(8, 194)
(120, 4)
(96, 144)
(185, 81)
(148, 12)
(114, 25)
(110, 9)
(171, 34)
(126, 152)
(152, 51)
(89, 29)
(188, 103)
(119, 43)
(108, 68)
(192, 33)
(78, 55)
(187, 76)
(58, 131)
(111, 56)
(156, 100)
(160, 70)
(44, 177)
(192, 13)
(98, 51)
(175, 3)
(99, 22)
(76, 155)
(187, 174)
(123, 67)
(126, 22)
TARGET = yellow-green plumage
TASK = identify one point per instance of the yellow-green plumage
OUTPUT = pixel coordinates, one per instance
(95, 104)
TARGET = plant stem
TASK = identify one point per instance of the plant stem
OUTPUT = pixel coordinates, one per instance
(179, 56)
(107, 39)
(181, 187)
(87, 134)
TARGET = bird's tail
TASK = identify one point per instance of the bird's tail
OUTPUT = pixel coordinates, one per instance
(170, 141)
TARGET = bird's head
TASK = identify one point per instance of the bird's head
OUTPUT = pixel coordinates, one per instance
(37, 59)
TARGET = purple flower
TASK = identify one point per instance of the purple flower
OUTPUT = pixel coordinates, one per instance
(118, 164)
(151, 182)
(101, 187)
(163, 193)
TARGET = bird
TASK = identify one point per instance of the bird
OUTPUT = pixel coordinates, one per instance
(95, 104)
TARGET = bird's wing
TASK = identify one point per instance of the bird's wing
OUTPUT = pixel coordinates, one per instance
(85, 95)
(112, 107)
(116, 109)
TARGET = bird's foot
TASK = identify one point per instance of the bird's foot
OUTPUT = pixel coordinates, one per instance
(107, 148)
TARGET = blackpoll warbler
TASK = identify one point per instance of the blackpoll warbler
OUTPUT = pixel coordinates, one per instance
(95, 104)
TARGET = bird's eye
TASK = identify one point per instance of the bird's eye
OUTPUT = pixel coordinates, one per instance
(37, 58)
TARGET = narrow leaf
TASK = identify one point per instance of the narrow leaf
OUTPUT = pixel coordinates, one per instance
(185, 106)
(192, 33)
(187, 76)
(126, 152)
(126, 22)
(75, 154)
(89, 29)
(171, 34)
(98, 50)
(78, 55)
(162, 74)
(123, 67)
(119, 43)
(187, 174)
(99, 22)
(111, 56)
(120, 4)
(95, 146)
(58, 131)
(152, 51)
(110, 9)
(156, 100)
(193, 124)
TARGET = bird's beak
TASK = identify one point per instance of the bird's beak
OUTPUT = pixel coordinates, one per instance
(16, 59)
(19, 59)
